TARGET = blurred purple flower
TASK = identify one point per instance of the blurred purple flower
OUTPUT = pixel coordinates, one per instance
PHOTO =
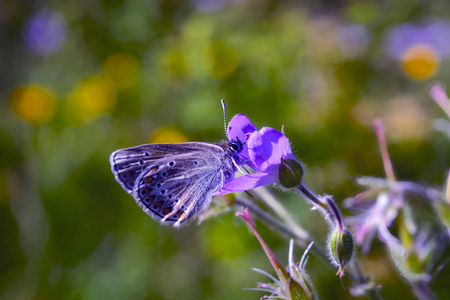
(209, 5)
(261, 150)
(45, 33)
(212, 5)
(434, 34)
(353, 40)
(380, 205)
(375, 216)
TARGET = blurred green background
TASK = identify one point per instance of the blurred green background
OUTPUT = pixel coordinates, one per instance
(81, 79)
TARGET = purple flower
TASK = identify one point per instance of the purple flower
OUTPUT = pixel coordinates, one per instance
(239, 130)
(433, 34)
(261, 150)
(353, 40)
(374, 216)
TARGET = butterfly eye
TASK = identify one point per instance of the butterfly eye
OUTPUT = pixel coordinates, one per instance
(164, 174)
(235, 146)
(158, 184)
(171, 163)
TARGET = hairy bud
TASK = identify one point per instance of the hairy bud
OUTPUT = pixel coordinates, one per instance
(290, 173)
(341, 247)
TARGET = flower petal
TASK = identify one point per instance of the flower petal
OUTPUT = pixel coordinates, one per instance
(239, 129)
(266, 148)
(247, 182)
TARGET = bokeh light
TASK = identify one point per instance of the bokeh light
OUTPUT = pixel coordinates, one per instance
(209, 5)
(420, 61)
(221, 59)
(45, 33)
(93, 97)
(173, 65)
(353, 40)
(123, 68)
(34, 104)
(411, 124)
(167, 134)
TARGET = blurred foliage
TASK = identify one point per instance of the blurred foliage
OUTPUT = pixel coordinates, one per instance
(81, 79)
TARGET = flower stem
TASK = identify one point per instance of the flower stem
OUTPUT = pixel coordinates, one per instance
(281, 211)
(326, 204)
(359, 279)
(276, 264)
(379, 130)
(310, 195)
(423, 291)
(355, 272)
(274, 223)
(438, 94)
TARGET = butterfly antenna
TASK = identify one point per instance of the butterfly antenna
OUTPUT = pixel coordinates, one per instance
(224, 117)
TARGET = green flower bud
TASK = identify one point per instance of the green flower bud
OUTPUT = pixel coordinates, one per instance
(341, 247)
(413, 263)
(290, 173)
(295, 291)
(443, 209)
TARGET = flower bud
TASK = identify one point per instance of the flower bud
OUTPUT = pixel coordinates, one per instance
(413, 263)
(294, 291)
(341, 247)
(290, 173)
(443, 209)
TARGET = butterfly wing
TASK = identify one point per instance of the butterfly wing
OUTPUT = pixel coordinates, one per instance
(172, 182)
(128, 164)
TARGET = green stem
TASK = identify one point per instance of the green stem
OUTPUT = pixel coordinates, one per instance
(277, 225)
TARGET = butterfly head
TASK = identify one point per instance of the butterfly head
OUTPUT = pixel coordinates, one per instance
(235, 146)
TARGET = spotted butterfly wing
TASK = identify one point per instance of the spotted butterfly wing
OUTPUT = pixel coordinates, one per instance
(173, 182)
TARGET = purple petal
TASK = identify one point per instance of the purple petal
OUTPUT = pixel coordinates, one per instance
(266, 148)
(247, 182)
(238, 127)
(238, 131)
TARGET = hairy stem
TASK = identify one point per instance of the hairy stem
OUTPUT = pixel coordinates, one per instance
(281, 211)
(423, 291)
(354, 272)
(382, 144)
(274, 223)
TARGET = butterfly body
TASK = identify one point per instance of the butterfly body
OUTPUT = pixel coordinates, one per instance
(173, 182)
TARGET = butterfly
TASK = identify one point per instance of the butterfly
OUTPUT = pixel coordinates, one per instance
(175, 182)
